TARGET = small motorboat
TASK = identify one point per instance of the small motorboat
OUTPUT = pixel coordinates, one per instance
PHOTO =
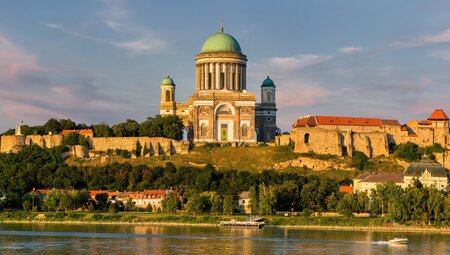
(398, 240)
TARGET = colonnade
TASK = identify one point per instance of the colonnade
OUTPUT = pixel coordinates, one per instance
(218, 76)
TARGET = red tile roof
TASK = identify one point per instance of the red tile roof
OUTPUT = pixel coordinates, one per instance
(86, 132)
(412, 135)
(93, 193)
(346, 189)
(425, 122)
(312, 121)
(404, 128)
(390, 122)
(438, 114)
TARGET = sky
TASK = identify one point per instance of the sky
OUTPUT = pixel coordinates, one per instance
(103, 60)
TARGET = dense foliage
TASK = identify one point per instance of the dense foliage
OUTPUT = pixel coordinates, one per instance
(206, 190)
(167, 126)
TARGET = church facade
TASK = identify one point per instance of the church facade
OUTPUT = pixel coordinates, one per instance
(221, 109)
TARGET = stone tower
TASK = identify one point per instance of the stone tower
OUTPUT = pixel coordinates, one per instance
(168, 104)
(266, 112)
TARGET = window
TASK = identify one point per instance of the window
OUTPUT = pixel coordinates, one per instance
(203, 130)
(306, 138)
(244, 130)
(268, 97)
(209, 80)
(168, 96)
(222, 80)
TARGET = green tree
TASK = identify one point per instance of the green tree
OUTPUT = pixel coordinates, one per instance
(129, 128)
(228, 205)
(52, 126)
(149, 208)
(267, 199)
(113, 208)
(150, 128)
(171, 203)
(359, 160)
(407, 151)
(254, 201)
(197, 204)
(66, 201)
(345, 206)
(52, 200)
(138, 149)
(216, 204)
(102, 130)
(67, 124)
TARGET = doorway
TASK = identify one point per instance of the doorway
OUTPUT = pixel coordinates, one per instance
(224, 132)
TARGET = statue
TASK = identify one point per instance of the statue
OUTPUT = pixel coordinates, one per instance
(18, 128)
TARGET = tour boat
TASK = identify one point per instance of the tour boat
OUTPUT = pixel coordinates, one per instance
(398, 240)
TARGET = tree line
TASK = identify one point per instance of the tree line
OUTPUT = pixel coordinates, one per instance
(207, 190)
(158, 126)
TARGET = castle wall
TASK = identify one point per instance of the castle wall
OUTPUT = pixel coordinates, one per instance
(156, 145)
(11, 143)
(318, 140)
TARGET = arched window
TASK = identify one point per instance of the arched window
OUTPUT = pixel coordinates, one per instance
(168, 96)
(306, 138)
(203, 130)
(268, 97)
(244, 130)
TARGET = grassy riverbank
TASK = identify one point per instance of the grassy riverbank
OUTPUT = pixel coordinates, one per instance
(337, 223)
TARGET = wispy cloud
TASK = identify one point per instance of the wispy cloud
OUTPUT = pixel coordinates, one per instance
(350, 50)
(116, 17)
(296, 62)
(14, 60)
(119, 19)
(35, 93)
(442, 37)
(442, 55)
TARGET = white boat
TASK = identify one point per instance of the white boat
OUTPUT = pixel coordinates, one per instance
(398, 240)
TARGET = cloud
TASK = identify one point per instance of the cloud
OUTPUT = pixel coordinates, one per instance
(35, 93)
(442, 37)
(50, 25)
(13, 60)
(119, 19)
(296, 62)
(116, 17)
(442, 55)
(350, 50)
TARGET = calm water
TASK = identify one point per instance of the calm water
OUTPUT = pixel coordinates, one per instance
(106, 239)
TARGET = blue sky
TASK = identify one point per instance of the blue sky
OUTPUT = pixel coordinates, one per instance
(103, 61)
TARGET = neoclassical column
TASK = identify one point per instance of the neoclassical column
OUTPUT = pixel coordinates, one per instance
(197, 77)
(206, 75)
(217, 75)
(225, 74)
(237, 77)
(213, 75)
(230, 74)
(244, 75)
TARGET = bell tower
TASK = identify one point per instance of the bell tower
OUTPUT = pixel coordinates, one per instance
(168, 104)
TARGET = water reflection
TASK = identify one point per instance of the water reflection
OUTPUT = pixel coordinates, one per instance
(123, 239)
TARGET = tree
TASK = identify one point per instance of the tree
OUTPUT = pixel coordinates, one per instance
(149, 208)
(52, 200)
(52, 126)
(359, 160)
(150, 128)
(102, 130)
(66, 201)
(129, 128)
(171, 203)
(407, 151)
(216, 203)
(267, 199)
(197, 204)
(228, 205)
(254, 201)
(113, 209)
(67, 124)
(345, 206)
(138, 149)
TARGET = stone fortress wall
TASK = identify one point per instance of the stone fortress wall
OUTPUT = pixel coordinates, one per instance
(156, 145)
(368, 135)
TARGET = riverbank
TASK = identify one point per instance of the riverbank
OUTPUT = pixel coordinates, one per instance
(165, 219)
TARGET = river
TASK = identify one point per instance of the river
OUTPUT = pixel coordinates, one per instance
(132, 239)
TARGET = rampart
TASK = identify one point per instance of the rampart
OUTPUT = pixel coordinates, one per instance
(156, 145)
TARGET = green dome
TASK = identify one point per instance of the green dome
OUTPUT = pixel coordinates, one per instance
(168, 81)
(268, 83)
(221, 42)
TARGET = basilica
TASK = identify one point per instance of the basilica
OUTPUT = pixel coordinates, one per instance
(221, 109)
